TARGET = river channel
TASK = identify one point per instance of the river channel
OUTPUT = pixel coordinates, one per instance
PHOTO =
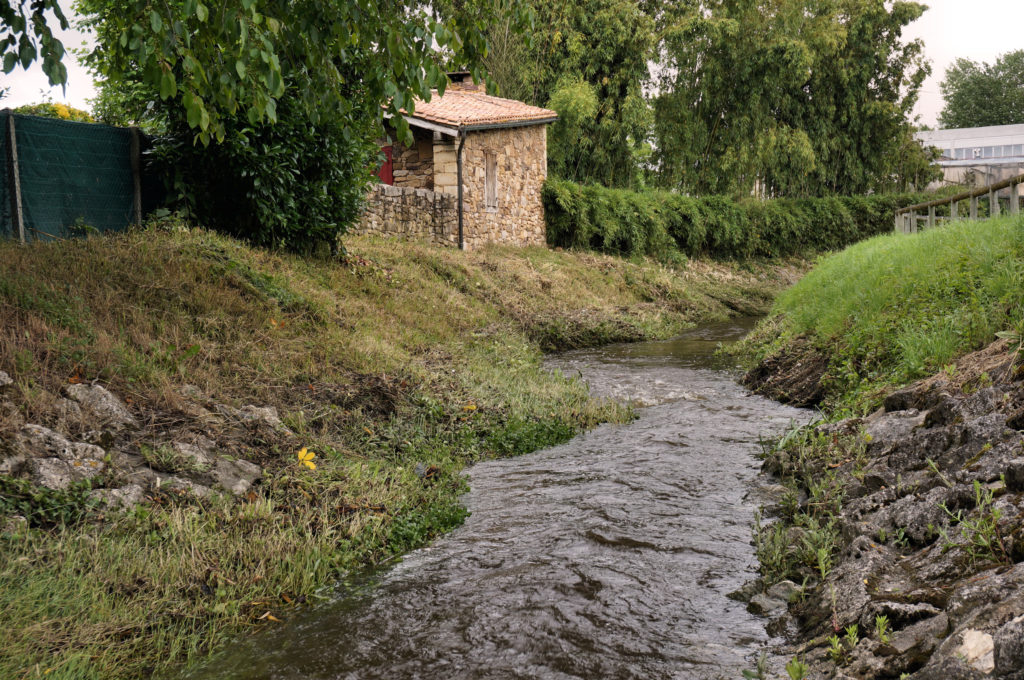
(609, 556)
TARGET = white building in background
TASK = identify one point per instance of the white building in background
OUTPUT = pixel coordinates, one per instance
(977, 156)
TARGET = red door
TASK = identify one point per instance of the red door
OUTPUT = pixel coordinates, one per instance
(387, 171)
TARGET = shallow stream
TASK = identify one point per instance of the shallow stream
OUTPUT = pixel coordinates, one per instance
(609, 556)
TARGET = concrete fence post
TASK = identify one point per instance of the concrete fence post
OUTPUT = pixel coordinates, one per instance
(14, 177)
(1014, 199)
(136, 162)
(931, 217)
(974, 208)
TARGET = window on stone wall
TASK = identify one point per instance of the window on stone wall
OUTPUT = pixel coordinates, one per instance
(491, 180)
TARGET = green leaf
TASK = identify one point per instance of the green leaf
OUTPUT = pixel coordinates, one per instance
(155, 22)
(168, 87)
(10, 59)
(27, 53)
(193, 111)
(201, 12)
(240, 69)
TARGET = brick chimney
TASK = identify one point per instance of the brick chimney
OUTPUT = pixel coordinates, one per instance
(463, 81)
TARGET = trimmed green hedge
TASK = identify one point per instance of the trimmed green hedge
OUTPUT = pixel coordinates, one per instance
(657, 223)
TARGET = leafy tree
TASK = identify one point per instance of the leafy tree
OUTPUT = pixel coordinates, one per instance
(978, 94)
(287, 95)
(798, 97)
(26, 35)
(577, 46)
(231, 60)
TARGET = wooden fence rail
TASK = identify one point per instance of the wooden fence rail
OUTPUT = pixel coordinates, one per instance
(908, 220)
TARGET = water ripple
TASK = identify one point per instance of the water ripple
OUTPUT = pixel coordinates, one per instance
(607, 557)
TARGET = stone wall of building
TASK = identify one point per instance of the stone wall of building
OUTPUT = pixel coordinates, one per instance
(414, 165)
(411, 213)
(520, 157)
(446, 165)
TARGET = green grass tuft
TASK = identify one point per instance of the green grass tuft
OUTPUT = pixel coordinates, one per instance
(898, 307)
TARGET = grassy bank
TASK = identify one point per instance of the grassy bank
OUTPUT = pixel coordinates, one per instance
(397, 367)
(898, 307)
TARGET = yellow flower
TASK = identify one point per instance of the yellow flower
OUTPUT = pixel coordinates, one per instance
(306, 458)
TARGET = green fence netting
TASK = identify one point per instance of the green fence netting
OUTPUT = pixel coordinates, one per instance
(75, 177)
(5, 199)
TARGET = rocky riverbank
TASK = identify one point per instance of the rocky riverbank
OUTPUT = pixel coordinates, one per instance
(896, 548)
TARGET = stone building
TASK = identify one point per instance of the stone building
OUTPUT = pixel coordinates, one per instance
(472, 175)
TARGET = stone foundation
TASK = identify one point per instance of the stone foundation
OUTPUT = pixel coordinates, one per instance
(410, 213)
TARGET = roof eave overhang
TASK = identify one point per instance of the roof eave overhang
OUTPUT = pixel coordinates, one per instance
(454, 131)
(509, 124)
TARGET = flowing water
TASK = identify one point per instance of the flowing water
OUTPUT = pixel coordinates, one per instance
(609, 556)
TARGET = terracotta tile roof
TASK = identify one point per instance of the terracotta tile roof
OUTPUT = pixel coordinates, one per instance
(466, 108)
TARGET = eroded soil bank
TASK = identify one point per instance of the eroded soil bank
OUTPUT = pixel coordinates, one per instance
(896, 547)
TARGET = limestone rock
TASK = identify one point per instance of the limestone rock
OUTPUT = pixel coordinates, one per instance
(765, 605)
(1008, 647)
(55, 473)
(180, 485)
(253, 414)
(101, 404)
(125, 497)
(5, 381)
(199, 456)
(36, 441)
(784, 590)
(977, 650)
(235, 476)
(893, 426)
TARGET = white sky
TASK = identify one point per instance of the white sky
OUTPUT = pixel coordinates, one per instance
(976, 29)
(980, 30)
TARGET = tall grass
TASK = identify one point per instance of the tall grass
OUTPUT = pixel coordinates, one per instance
(897, 307)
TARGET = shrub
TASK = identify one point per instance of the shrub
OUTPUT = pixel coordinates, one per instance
(656, 223)
(294, 184)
